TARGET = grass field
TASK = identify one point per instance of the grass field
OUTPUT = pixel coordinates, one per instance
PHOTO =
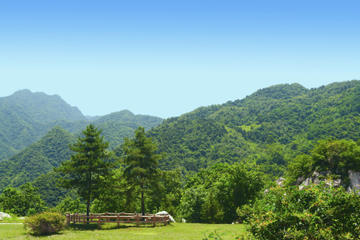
(177, 231)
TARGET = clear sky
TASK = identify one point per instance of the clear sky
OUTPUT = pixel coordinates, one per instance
(166, 58)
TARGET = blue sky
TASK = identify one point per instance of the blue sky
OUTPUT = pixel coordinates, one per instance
(166, 58)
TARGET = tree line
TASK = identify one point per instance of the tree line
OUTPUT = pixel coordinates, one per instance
(99, 180)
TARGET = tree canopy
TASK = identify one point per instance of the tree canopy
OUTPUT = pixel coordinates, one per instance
(141, 162)
(89, 165)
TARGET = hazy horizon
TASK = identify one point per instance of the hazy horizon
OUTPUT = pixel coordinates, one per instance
(150, 114)
(166, 58)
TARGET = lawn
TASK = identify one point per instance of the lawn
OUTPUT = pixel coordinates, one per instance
(177, 231)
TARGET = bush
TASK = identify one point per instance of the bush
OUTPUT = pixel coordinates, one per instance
(45, 223)
(315, 212)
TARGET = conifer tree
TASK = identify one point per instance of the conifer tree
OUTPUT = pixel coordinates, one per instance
(141, 162)
(88, 167)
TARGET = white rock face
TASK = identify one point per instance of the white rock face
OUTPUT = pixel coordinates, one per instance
(4, 215)
(280, 181)
(313, 179)
(316, 179)
(354, 181)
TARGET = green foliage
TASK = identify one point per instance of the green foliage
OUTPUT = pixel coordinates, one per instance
(167, 194)
(45, 223)
(38, 159)
(88, 166)
(23, 201)
(49, 189)
(271, 127)
(71, 205)
(214, 194)
(52, 149)
(316, 212)
(338, 156)
(26, 117)
(119, 195)
(115, 195)
(333, 157)
(299, 168)
(119, 125)
(141, 163)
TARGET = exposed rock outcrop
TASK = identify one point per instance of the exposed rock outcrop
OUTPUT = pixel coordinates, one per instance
(4, 215)
(280, 181)
(316, 178)
(354, 181)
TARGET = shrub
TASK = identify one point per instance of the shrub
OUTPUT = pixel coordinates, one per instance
(45, 223)
(315, 212)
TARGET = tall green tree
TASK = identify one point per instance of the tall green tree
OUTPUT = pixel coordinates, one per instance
(88, 167)
(141, 162)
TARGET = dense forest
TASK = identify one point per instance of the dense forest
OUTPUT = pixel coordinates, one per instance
(271, 126)
(217, 164)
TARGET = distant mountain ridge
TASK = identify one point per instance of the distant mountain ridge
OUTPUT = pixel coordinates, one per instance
(44, 108)
(118, 125)
(27, 116)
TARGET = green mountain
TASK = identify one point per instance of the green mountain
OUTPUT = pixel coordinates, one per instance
(37, 159)
(42, 107)
(116, 126)
(270, 126)
(25, 117)
(52, 149)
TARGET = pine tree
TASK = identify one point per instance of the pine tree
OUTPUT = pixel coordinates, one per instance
(141, 162)
(88, 167)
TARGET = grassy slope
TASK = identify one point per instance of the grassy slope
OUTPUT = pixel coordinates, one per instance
(176, 231)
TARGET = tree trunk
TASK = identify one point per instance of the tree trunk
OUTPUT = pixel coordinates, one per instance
(87, 210)
(88, 200)
(142, 203)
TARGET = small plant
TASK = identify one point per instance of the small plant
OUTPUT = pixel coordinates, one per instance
(216, 236)
(45, 223)
(213, 235)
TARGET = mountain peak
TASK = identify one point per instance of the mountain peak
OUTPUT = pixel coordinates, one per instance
(281, 91)
(42, 107)
(22, 92)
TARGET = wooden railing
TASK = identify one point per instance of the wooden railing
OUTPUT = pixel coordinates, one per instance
(118, 218)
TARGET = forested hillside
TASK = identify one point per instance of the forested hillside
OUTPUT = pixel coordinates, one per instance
(37, 159)
(214, 163)
(25, 117)
(116, 126)
(42, 156)
(270, 126)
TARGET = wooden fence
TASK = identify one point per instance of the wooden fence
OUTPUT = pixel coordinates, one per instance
(118, 218)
